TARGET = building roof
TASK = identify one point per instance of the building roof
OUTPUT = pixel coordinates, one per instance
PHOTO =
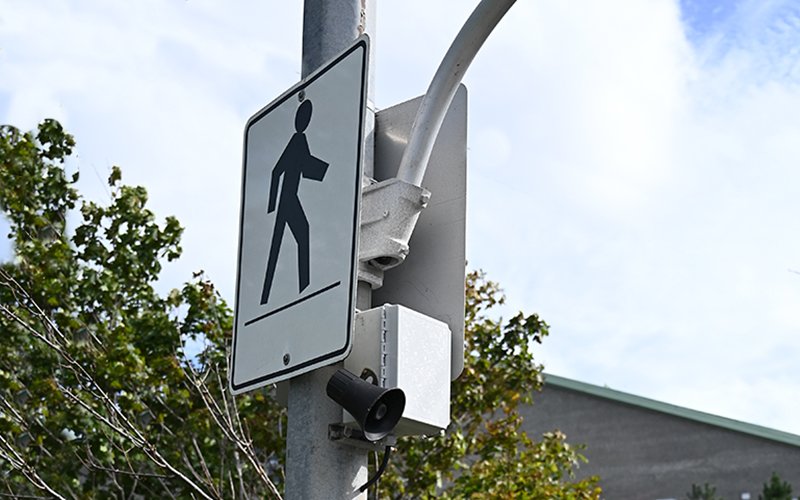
(677, 411)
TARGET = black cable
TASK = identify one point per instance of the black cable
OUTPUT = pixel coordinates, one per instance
(380, 470)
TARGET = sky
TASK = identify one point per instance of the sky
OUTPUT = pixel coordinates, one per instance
(633, 164)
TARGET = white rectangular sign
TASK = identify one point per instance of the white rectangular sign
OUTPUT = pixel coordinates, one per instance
(298, 237)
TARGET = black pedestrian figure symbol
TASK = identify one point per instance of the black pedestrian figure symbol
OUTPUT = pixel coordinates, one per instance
(295, 161)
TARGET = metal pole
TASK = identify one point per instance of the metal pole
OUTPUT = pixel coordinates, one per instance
(444, 85)
(317, 468)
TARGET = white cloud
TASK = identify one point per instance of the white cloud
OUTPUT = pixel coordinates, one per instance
(490, 148)
(5, 244)
(599, 94)
(654, 218)
(163, 91)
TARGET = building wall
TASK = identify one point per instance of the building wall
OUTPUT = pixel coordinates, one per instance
(644, 454)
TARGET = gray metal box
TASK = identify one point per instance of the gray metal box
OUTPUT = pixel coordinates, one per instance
(409, 350)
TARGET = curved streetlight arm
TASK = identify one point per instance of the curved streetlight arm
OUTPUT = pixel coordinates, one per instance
(444, 85)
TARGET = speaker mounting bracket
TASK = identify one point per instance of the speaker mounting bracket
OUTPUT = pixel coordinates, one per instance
(354, 437)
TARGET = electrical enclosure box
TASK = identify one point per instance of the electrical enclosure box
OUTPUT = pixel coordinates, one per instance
(403, 348)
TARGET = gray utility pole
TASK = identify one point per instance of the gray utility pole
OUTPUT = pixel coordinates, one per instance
(317, 468)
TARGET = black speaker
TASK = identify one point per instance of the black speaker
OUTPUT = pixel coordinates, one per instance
(376, 409)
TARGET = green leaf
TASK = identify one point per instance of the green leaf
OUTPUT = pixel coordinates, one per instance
(115, 177)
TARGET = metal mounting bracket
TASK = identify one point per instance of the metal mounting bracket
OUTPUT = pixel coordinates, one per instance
(389, 212)
(354, 437)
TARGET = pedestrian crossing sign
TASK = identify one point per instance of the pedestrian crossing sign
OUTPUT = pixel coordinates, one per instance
(298, 234)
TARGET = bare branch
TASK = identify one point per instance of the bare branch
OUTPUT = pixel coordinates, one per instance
(17, 495)
(233, 489)
(126, 428)
(119, 430)
(168, 490)
(225, 423)
(223, 413)
(204, 465)
(14, 285)
(196, 475)
(15, 414)
(94, 465)
(17, 461)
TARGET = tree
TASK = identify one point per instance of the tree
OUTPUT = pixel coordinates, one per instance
(706, 492)
(99, 398)
(776, 489)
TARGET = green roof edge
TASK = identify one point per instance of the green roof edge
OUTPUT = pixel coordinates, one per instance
(677, 411)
